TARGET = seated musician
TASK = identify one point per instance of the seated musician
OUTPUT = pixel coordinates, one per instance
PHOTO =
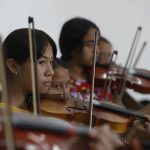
(104, 59)
(137, 130)
(76, 45)
(17, 61)
(18, 67)
(105, 51)
(16, 48)
(61, 78)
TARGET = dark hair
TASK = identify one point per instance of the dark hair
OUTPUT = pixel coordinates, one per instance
(145, 102)
(16, 44)
(59, 63)
(72, 34)
(103, 39)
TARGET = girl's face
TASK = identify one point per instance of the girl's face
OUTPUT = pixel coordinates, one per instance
(61, 79)
(88, 47)
(105, 53)
(44, 72)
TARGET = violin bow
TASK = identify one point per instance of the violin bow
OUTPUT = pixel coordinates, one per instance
(5, 99)
(107, 74)
(137, 72)
(93, 79)
(139, 54)
(129, 61)
(33, 58)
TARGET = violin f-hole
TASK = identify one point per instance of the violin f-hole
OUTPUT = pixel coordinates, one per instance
(75, 108)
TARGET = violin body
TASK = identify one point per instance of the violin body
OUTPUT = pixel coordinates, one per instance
(69, 110)
(120, 124)
(78, 111)
(137, 79)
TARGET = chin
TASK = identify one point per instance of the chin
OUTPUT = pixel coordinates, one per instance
(90, 62)
(44, 90)
(87, 64)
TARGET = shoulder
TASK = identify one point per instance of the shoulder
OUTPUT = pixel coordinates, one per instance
(13, 108)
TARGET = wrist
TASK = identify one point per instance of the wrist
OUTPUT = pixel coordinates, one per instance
(132, 133)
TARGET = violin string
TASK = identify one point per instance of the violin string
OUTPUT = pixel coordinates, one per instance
(33, 58)
(7, 110)
(93, 79)
(129, 61)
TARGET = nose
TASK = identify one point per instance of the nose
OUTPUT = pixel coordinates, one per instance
(66, 89)
(49, 70)
(97, 50)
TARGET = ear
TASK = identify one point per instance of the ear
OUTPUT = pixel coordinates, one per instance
(12, 66)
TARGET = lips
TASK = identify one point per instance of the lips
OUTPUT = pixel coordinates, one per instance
(47, 83)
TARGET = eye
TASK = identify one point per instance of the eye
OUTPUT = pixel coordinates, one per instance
(42, 62)
(51, 62)
(90, 44)
(58, 86)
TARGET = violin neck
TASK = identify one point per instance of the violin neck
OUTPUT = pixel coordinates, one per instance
(141, 73)
(119, 110)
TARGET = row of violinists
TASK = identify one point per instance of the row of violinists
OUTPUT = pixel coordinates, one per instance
(76, 102)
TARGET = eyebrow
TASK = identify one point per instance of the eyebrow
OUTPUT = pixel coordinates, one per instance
(52, 58)
(88, 41)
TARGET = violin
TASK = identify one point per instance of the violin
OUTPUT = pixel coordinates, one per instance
(43, 133)
(137, 79)
(74, 110)
(67, 108)
(143, 73)
(119, 77)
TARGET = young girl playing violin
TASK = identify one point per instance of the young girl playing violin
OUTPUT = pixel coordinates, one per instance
(61, 78)
(76, 43)
(17, 61)
(105, 51)
(103, 60)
